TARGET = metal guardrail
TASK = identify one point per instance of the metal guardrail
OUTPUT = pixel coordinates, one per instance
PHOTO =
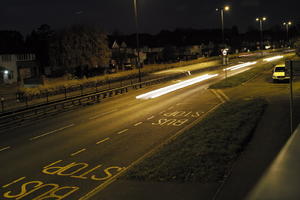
(17, 117)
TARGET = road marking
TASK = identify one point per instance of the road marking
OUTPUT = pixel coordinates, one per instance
(150, 117)
(146, 155)
(5, 148)
(57, 130)
(122, 131)
(170, 108)
(101, 141)
(15, 181)
(224, 95)
(161, 112)
(102, 114)
(78, 152)
(218, 96)
(138, 123)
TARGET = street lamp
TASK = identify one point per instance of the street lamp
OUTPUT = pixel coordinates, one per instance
(287, 25)
(137, 38)
(261, 20)
(225, 8)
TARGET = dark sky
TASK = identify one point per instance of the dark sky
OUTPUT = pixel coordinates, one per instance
(26, 15)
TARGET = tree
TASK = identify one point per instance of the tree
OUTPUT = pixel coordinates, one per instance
(11, 42)
(38, 42)
(169, 53)
(80, 46)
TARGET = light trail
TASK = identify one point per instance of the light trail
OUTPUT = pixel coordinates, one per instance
(171, 88)
(240, 66)
(272, 58)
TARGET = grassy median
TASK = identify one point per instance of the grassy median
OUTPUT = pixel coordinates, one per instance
(206, 152)
(238, 79)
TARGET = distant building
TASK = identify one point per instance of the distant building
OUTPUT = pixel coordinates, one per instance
(18, 67)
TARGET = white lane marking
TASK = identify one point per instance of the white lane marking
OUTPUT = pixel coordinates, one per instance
(150, 117)
(5, 148)
(138, 123)
(104, 140)
(54, 131)
(102, 114)
(78, 152)
(171, 108)
(120, 132)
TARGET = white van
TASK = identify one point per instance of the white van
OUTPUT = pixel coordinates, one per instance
(280, 73)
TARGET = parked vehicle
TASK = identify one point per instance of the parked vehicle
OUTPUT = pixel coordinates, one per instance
(280, 73)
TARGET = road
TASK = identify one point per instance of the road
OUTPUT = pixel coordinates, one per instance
(69, 155)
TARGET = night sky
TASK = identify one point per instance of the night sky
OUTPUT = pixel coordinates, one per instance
(155, 15)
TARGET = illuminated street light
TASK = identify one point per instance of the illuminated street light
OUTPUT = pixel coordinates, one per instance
(287, 25)
(225, 8)
(261, 20)
(137, 38)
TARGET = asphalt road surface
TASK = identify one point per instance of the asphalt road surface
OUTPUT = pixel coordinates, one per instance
(72, 155)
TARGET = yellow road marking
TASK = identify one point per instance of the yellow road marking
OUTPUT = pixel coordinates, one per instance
(78, 152)
(150, 117)
(54, 131)
(5, 148)
(224, 95)
(120, 132)
(101, 141)
(15, 181)
(138, 123)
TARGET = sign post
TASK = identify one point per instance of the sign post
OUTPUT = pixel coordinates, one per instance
(294, 67)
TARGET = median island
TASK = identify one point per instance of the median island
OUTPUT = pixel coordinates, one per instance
(206, 152)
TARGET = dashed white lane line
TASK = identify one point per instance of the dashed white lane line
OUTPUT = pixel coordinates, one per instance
(54, 131)
(102, 114)
(120, 132)
(150, 117)
(5, 148)
(138, 123)
(78, 152)
(104, 140)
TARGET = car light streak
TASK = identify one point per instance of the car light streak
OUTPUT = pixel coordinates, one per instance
(272, 58)
(171, 88)
(240, 66)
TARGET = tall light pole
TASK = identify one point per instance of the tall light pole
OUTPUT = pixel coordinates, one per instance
(287, 25)
(261, 20)
(225, 8)
(137, 38)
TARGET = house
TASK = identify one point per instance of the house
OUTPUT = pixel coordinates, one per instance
(18, 67)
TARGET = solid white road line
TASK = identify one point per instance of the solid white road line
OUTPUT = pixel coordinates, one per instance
(120, 132)
(54, 131)
(5, 148)
(78, 152)
(101, 141)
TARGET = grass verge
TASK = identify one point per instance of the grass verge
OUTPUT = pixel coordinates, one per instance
(206, 152)
(238, 79)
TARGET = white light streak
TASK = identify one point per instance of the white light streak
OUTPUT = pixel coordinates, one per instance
(171, 88)
(240, 66)
(272, 58)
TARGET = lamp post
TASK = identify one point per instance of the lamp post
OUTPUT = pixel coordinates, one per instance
(261, 20)
(287, 25)
(137, 38)
(225, 8)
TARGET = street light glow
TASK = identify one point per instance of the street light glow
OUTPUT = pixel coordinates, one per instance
(272, 58)
(171, 88)
(226, 8)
